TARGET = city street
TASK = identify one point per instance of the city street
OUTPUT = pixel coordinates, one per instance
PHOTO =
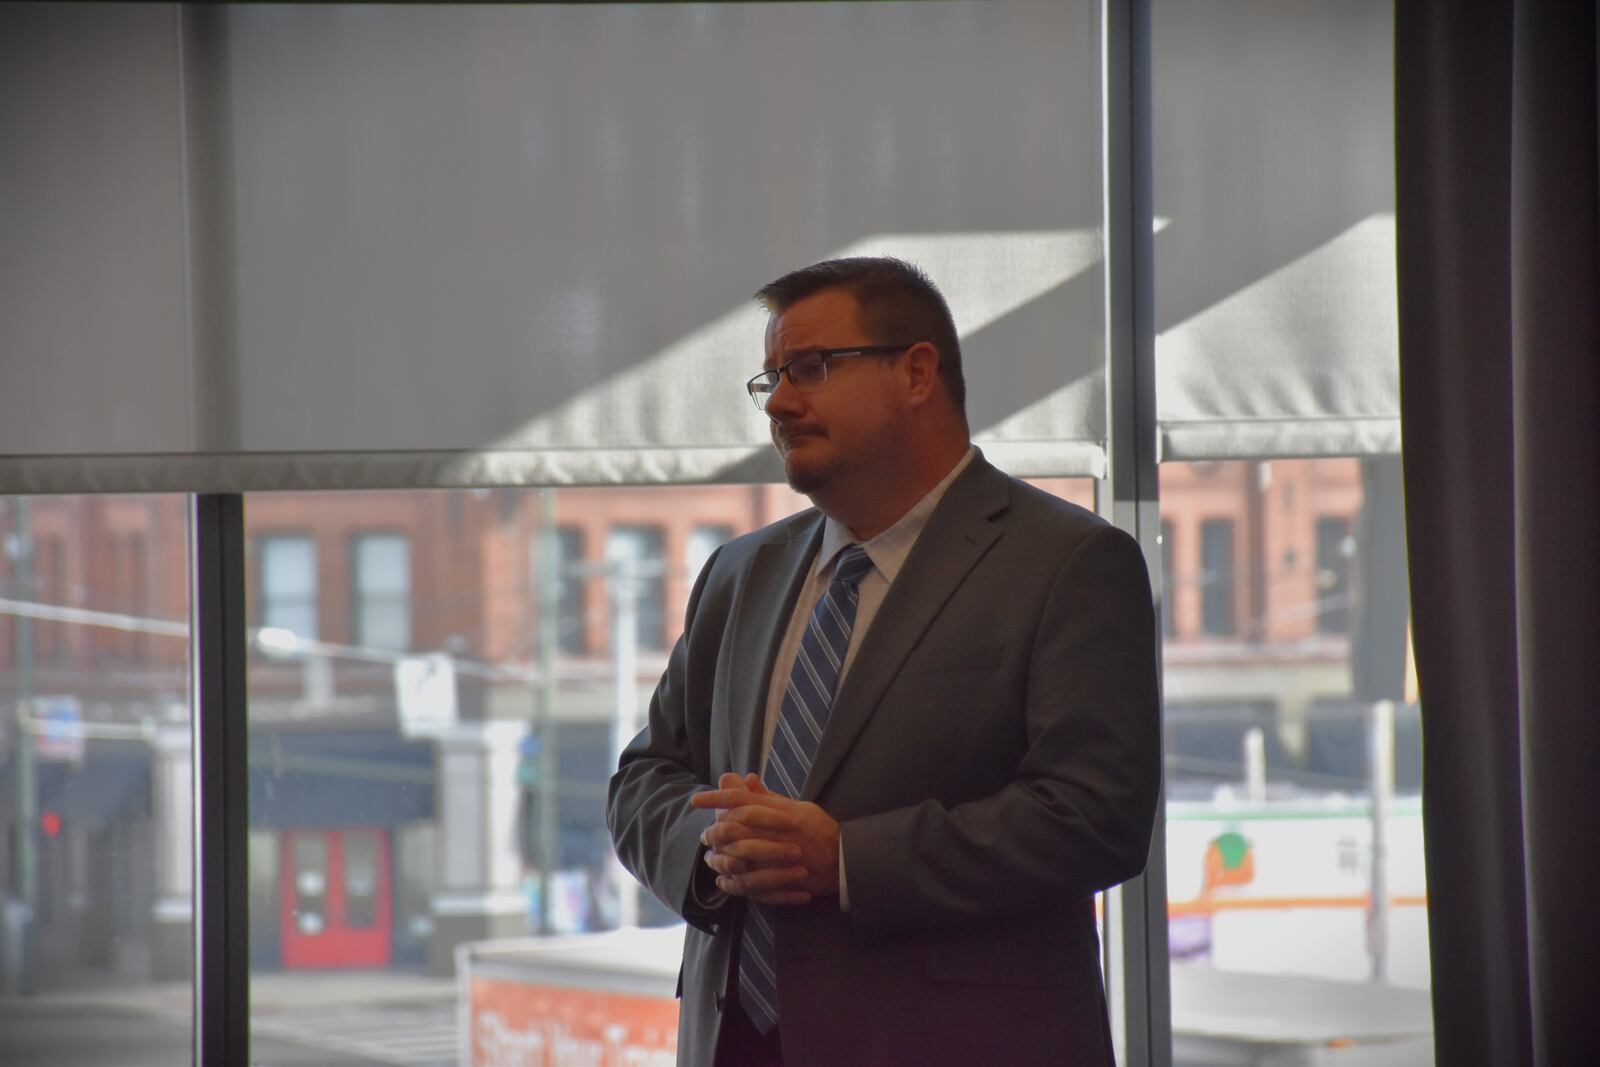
(362, 1019)
(416, 1035)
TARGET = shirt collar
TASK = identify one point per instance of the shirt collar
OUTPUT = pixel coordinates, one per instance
(888, 551)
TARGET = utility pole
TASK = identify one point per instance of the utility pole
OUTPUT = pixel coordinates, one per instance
(1380, 727)
(27, 886)
(624, 574)
(548, 585)
(1255, 766)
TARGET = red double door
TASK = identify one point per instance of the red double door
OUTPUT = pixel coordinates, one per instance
(335, 898)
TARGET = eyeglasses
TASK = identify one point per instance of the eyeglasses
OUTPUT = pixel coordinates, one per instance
(809, 370)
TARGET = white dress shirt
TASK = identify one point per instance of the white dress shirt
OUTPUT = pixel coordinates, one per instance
(888, 552)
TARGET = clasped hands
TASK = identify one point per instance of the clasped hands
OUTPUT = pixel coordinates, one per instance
(766, 846)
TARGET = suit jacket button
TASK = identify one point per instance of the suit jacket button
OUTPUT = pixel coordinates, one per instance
(718, 1000)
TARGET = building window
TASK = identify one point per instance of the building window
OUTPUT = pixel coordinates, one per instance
(1216, 577)
(572, 636)
(703, 540)
(1335, 549)
(287, 585)
(638, 559)
(124, 593)
(49, 586)
(1169, 626)
(382, 611)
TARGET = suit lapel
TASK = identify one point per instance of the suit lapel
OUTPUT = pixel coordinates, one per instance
(758, 623)
(957, 535)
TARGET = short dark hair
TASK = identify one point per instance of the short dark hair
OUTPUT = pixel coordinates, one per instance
(898, 303)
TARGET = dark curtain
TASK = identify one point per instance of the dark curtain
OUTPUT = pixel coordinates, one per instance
(1498, 195)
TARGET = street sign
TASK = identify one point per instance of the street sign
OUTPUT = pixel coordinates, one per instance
(425, 691)
(58, 725)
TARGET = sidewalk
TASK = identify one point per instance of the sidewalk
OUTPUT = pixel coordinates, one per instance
(271, 993)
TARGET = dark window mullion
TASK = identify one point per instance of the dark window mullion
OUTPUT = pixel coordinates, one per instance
(1136, 961)
(218, 649)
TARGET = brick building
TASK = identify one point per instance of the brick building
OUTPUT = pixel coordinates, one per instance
(361, 828)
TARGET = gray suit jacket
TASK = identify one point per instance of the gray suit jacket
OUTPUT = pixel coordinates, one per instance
(993, 758)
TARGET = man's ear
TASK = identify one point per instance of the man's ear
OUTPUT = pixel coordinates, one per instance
(922, 372)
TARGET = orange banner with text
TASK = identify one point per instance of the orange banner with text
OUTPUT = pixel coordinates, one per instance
(517, 1024)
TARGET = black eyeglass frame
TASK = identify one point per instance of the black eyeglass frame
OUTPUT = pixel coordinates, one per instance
(763, 385)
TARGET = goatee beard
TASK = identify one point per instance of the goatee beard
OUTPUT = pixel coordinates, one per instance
(806, 480)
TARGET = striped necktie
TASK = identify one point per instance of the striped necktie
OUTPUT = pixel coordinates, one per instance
(807, 702)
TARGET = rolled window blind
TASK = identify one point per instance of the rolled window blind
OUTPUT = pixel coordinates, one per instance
(367, 246)
(394, 246)
(1275, 284)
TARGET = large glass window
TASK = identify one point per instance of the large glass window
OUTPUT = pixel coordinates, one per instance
(426, 769)
(1296, 894)
(403, 806)
(1280, 818)
(408, 808)
(96, 896)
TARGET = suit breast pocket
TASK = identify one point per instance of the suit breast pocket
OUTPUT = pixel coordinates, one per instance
(954, 658)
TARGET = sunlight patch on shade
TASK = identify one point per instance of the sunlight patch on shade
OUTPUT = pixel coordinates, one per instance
(1303, 361)
(984, 276)
(1332, 311)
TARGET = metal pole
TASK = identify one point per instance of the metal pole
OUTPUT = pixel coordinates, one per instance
(1136, 965)
(625, 700)
(1255, 766)
(1381, 750)
(549, 591)
(27, 846)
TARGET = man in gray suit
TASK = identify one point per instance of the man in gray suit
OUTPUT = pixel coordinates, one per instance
(906, 735)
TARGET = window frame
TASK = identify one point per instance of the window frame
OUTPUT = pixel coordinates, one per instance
(361, 600)
(1218, 575)
(1342, 565)
(1135, 951)
(571, 547)
(258, 555)
(650, 628)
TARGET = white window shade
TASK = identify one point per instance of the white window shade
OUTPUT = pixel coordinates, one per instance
(1275, 279)
(366, 246)
(1303, 362)
(515, 245)
(93, 319)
